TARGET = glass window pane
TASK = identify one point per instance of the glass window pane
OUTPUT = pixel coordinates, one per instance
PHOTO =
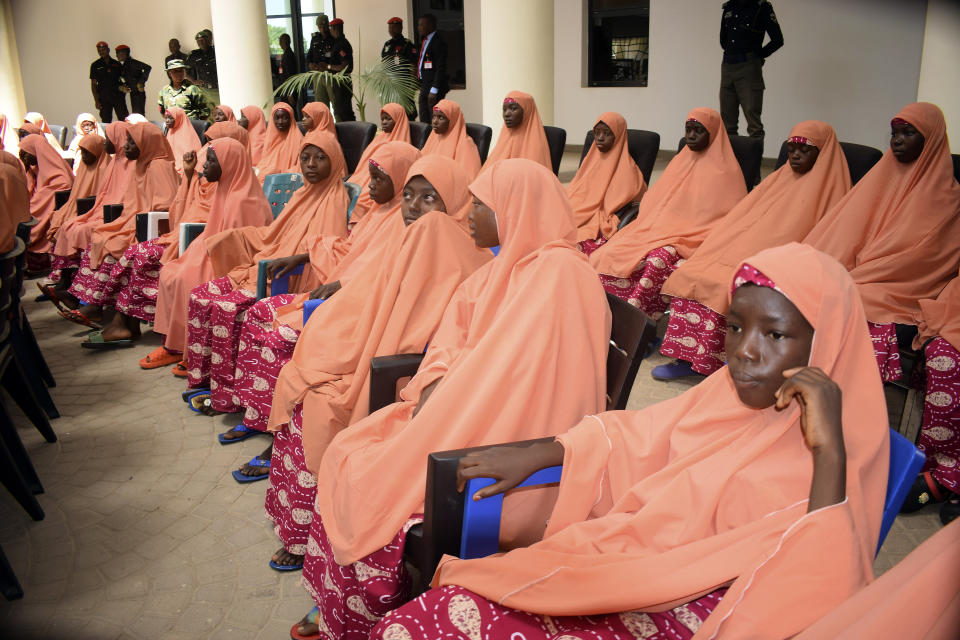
(619, 43)
(316, 6)
(276, 27)
(278, 7)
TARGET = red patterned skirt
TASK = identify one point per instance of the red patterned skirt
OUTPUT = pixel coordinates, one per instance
(91, 286)
(293, 489)
(642, 287)
(940, 433)
(136, 277)
(697, 334)
(886, 350)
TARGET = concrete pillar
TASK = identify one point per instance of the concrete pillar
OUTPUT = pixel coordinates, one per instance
(12, 102)
(939, 77)
(243, 52)
(517, 53)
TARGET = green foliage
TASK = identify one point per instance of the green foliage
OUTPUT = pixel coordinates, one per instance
(273, 37)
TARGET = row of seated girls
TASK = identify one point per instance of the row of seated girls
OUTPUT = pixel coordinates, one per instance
(748, 506)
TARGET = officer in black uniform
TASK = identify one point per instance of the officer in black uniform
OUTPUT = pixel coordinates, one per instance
(341, 58)
(431, 66)
(202, 68)
(105, 85)
(175, 53)
(133, 78)
(742, 29)
(401, 51)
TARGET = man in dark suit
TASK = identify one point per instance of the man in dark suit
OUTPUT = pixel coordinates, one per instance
(431, 66)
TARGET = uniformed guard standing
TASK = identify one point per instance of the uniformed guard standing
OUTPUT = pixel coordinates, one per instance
(431, 66)
(202, 68)
(401, 51)
(341, 59)
(133, 78)
(319, 56)
(180, 93)
(175, 53)
(105, 85)
(742, 29)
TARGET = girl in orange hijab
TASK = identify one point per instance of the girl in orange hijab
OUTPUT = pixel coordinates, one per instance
(607, 181)
(35, 118)
(783, 208)
(730, 492)
(394, 127)
(181, 136)
(223, 113)
(50, 174)
(281, 149)
(699, 186)
(522, 133)
(449, 137)
(317, 117)
(519, 313)
(217, 308)
(16, 200)
(251, 119)
(896, 231)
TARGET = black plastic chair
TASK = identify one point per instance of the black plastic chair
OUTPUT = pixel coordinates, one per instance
(200, 126)
(303, 129)
(557, 141)
(111, 212)
(860, 158)
(956, 166)
(60, 133)
(354, 138)
(482, 135)
(85, 204)
(642, 145)
(749, 153)
(418, 134)
(9, 584)
(60, 198)
(24, 229)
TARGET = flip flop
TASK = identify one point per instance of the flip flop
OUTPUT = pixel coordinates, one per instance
(75, 316)
(289, 567)
(185, 395)
(160, 357)
(312, 618)
(198, 400)
(244, 430)
(180, 369)
(242, 479)
(95, 341)
(49, 294)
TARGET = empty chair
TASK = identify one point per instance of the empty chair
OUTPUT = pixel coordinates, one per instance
(482, 135)
(642, 145)
(354, 138)
(557, 141)
(860, 158)
(279, 188)
(418, 134)
(749, 153)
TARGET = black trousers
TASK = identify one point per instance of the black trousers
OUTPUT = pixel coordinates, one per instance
(426, 113)
(342, 104)
(138, 102)
(741, 85)
(108, 106)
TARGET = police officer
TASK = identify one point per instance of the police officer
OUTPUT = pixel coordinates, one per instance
(401, 51)
(133, 78)
(742, 29)
(341, 59)
(105, 75)
(319, 55)
(175, 53)
(202, 68)
(431, 66)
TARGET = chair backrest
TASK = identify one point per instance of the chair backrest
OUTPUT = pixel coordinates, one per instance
(418, 134)
(111, 212)
(749, 153)
(354, 191)
(200, 126)
(557, 141)
(189, 231)
(860, 158)
(159, 125)
(60, 133)
(354, 138)
(905, 463)
(642, 145)
(279, 188)
(956, 166)
(631, 333)
(482, 135)
(85, 204)
(60, 198)
(24, 229)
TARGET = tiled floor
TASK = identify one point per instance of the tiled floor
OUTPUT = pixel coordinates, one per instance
(146, 534)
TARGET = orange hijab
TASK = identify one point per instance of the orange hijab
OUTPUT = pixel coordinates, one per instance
(182, 137)
(228, 130)
(361, 177)
(52, 175)
(16, 205)
(281, 151)
(896, 230)
(152, 186)
(321, 116)
(257, 129)
(526, 141)
(783, 208)
(455, 143)
(37, 119)
(699, 491)
(88, 180)
(695, 191)
(227, 111)
(605, 183)
(536, 311)
(940, 316)
(315, 210)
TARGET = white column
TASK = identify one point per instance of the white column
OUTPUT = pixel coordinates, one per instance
(243, 52)
(939, 78)
(517, 53)
(12, 102)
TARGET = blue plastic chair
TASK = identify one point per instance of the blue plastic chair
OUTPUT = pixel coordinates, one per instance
(354, 191)
(277, 285)
(309, 306)
(279, 187)
(481, 518)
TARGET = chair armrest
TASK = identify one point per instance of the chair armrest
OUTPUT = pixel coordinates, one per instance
(277, 285)
(148, 224)
(111, 212)
(385, 371)
(60, 198)
(189, 231)
(85, 204)
(309, 306)
(627, 214)
(354, 191)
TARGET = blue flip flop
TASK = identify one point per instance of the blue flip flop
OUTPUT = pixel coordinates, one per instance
(192, 400)
(185, 395)
(240, 428)
(285, 567)
(242, 479)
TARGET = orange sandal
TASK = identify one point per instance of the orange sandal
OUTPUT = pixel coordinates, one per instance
(180, 369)
(159, 357)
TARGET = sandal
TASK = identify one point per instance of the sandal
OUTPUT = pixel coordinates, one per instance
(924, 491)
(243, 430)
(48, 294)
(159, 357)
(180, 369)
(244, 479)
(75, 316)
(95, 341)
(185, 395)
(310, 618)
(199, 400)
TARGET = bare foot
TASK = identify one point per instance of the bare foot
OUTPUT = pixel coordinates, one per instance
(286, 559)
(93, 312)
(122, 327)
(308, 624)
(248, 470)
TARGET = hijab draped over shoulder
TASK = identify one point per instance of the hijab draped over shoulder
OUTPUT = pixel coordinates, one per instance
(281, 150)
(88, 180)
(257, 129)
(52, 175)
(781, 209)
(16, 202)
(361, 177)
(605, 183)
(695, 191)
(455, 143)
(35, 118)
(182, 137)
(896, 230)
(525, 141)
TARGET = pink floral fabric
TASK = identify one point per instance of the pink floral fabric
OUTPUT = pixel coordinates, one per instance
(940, 432)
(696, 334)
(885, 348)
(91, 286)
(137, 277)
(293, 489)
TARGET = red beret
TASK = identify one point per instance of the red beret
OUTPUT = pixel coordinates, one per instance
(102, 44)
(336, 22)
(395, 20)
(122, 47)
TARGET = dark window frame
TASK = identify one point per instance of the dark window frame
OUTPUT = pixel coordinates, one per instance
(593, 11)
(421, 7)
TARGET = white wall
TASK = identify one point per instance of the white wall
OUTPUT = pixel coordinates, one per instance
(12, 101)
(851, 63)
(939, 68)
(56, 39)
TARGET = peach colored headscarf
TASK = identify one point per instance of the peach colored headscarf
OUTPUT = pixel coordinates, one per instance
(605, 183)
(88, 180)
(781, 209)
(321, 116)
(526, 141)
(896, 230)
(695, 191)
(455, 143)
(182, 137)
(228, 130)
(257, 128)
(52, 175)
(152, 187)
(4, 122)
(37, 119)
(228, 112)
(314, 210)
(699, 491)
(281, 151)
(75, 233)
(16, 204)
(536, 311)
(238, 202)
(361, 177)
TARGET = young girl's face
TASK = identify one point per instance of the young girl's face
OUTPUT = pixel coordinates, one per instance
(906, 142)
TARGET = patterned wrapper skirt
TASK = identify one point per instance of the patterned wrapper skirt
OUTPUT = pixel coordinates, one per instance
(886, 350)
(642, 287)
(92, 286)
(136, 277)
(454, 613)
(940, 433)
(697, 334)
(352, 599)
(293, 489)
(59, 263)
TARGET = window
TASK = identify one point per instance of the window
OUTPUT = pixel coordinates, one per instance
(449, 15)
(296, 18)
(618, 35)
